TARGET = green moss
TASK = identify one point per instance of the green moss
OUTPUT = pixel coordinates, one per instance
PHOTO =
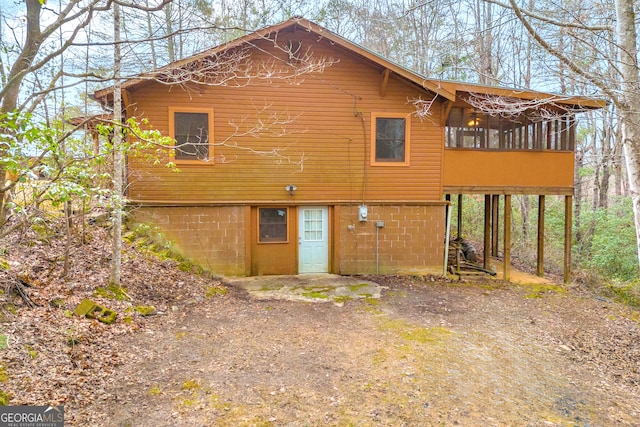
(4, 264)
(213, 291)
(155, 390)
(57, 302)
(410, 332)
(4, 342)
(185, 266)
(129, 237)
(190, 385)
(188, 403)
(4, 398)
(102, 314)
(380, 356)
(41, 231)
(372, 301)
(316, 294)
(180, 335)
(32, 352)
(85, 307)
(118, 293)
(145, 310)
(396, 294)
(371, 305)
(73, 338)
(627, 293)
(128, 320)
(341, 299)
(356, 288)
(4, 377)
(538, 290)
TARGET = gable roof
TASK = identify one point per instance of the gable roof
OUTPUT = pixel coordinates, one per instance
(443, 88)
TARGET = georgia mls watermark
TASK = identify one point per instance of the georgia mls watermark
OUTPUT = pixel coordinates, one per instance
(31, 416)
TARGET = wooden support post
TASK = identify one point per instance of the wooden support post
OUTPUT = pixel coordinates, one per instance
(495, 228)
(447, 197)
(540, 260)
(459, 215)
(487, 230)
(568, 222)
(507, 238)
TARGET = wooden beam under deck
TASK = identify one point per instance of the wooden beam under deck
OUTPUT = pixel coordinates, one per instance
(487, 231)
(459, 215)
(540, 257)
(495, 220)
(534, 191)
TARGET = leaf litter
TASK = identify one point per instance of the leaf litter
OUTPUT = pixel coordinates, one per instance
(429, 352)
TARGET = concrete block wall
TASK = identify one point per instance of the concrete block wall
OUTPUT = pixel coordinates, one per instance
(213, 237)
(411, 241)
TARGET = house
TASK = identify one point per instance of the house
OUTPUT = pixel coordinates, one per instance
(302, 152)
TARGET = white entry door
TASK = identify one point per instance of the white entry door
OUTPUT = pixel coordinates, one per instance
(313, 240)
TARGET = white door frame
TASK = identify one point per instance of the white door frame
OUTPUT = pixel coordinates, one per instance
(313, 239)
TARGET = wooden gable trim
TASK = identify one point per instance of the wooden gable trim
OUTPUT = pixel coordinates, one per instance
(294, 24)
(385, 82)
(446, 109)
(127, 102)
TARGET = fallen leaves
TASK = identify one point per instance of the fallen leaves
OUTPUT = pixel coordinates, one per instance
(52, 357)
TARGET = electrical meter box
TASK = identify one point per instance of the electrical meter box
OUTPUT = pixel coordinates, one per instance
(363, 213)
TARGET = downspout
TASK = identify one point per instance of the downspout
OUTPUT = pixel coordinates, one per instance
(446, 240)
(379, 225)
(377, 252)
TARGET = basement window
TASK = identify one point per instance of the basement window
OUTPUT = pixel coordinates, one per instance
(192, 130)
(273, 225)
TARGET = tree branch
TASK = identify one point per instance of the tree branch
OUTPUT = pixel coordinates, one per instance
(602, 85)
(545, 18)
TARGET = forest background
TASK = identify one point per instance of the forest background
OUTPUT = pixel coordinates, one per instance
(54, 54)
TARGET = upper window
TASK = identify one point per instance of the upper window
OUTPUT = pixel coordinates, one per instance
(272, 225)
(192, 129)
(390, 139)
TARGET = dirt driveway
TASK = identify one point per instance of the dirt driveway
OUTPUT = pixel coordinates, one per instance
(426, 353)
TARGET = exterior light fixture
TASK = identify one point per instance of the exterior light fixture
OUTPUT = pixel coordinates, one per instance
(291, 189)
(473, 122)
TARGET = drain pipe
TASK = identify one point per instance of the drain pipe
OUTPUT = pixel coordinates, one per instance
(446, 240)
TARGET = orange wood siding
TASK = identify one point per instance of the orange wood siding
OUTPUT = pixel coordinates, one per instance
(325, 152)
(468, 169)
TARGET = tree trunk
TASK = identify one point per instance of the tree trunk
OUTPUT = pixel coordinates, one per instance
(11, 86)
(629, 105)
(116, 259)
(152, 43)
(171, 49)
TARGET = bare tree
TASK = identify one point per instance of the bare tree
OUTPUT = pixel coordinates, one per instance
(118, 164)
(620, 82)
